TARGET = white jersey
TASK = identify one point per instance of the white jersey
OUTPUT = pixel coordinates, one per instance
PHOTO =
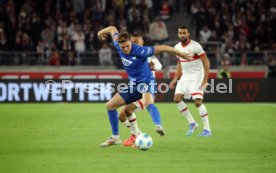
(191, 69)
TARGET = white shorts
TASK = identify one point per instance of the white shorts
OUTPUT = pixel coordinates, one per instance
(189, 88)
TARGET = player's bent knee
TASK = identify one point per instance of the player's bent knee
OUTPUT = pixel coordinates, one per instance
(198, 102)
(146, 104)
(110, 106)
(177, 99)
(128, 112)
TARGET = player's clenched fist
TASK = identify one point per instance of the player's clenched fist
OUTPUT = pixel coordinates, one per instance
(102, 37)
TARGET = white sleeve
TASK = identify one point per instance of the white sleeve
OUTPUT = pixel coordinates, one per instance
(156, 62)
(199, 50)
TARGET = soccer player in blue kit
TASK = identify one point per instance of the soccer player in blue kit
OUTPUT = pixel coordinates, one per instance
(142, 83)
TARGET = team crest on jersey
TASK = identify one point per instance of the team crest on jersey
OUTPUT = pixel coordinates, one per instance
(126, 62)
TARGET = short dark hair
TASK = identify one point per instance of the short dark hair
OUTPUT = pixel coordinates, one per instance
(136, 35)
(123, 37)
(183, 27)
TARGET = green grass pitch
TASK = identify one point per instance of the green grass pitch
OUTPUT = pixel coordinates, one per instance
(65, 138)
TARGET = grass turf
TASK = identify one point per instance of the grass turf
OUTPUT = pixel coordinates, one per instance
(65, 138)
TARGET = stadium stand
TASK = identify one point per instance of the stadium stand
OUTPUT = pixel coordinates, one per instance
(63, 33)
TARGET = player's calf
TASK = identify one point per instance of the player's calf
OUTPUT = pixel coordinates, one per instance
(122, 115)
(131, 117)
(124, 121)
(155, 115)
(111, 106)
(183, 109)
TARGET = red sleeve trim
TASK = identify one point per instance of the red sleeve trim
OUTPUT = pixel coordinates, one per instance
(195, 57)
(202, 54)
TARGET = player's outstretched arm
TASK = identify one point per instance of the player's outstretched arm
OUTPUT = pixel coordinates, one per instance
(164, 48)
(103, 34)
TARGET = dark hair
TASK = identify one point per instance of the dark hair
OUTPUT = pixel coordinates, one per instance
(123, 37)
(183, 27)
(136, 35)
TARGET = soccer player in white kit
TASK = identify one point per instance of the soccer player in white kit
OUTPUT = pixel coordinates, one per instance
(193, 76)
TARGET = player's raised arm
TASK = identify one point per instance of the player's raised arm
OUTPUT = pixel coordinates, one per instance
(103, 34)
(164, 48)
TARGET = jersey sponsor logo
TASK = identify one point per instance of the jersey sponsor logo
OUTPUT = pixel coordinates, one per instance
(126, 62)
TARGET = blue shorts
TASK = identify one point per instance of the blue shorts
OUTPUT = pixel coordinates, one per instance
(134, 92)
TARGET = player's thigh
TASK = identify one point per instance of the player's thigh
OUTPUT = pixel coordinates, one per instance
(196, 92)
(130, 108)
(148, 98)
(180, 91)
(115, 102)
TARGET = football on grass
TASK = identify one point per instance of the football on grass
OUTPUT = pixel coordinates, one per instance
(143, 141)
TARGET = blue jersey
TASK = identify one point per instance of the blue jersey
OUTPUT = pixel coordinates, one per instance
(136, 63)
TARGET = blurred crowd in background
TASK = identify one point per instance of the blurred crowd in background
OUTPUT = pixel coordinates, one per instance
(70, 26)
(241, 25)
(73, 24)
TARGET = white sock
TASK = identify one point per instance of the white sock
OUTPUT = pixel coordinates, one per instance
(204, 116)
(116, 136)
(182, 107)
(133, 124)
(158, 126)
(127, 124)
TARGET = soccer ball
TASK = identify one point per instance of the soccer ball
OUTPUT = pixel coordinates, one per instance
(143, 142)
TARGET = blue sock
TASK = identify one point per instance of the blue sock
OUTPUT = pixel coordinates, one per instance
(114, 121)
(154, 113)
